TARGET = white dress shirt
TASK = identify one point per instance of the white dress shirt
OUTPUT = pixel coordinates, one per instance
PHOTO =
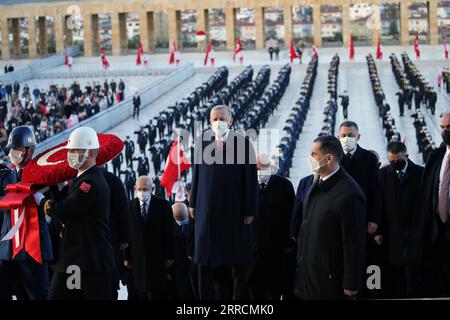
(444, 165)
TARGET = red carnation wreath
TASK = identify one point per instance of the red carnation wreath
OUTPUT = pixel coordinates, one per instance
(51, 166)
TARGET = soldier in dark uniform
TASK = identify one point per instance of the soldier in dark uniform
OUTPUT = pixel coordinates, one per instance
(117, 163)
(129, 151)
(142, 139)
(129, 182)
(23, 270)
(86, 263)
(143, 167)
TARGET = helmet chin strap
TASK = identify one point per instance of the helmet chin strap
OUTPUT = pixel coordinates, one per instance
(24, 156)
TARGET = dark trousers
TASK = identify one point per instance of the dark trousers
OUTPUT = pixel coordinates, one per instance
(345, 110)
(437, 265)
(142, 147)
(402, 109)
(399, 282)
(94, 286)
(130, 192)
(224, 282)
(136, 112)
(116, 170)
(194, 278)
(129, 160)
(28, 274)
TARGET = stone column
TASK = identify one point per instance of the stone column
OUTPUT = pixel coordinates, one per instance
(287, 17)
(376, 23)
(259, 26)
(95, 34)
(32, 50)
(16, 37)
(115, 33)
(5, 38)
(404, 28)
(230, 24)
(42, 36)
(68, 33)
(59, 34)
(179, 34)
(145, 29)
(87, 35)
(123, 32)
(172, 21)
(203, 24)
(346, 24)
(317, 33)
(433, 22)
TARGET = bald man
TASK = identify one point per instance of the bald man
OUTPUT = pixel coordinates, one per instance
(152, 229)
(435, 216)
(182, 265)
(272, 241)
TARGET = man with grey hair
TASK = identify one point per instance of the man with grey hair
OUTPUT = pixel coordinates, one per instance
(435, 216)
(276, 199)
(224, 200)
(151, 230)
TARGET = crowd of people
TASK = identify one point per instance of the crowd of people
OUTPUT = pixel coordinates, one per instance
(424, 94)
(239, 230)
(405, 96)
(294, 123)
(390, 130)
(329, 121)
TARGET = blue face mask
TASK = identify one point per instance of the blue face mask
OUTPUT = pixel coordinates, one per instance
(182, 222)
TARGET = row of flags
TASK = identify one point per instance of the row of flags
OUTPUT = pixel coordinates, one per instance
(238, 53)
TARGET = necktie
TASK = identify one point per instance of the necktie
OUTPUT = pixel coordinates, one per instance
(143, 210)
(219, 143)
(262, 186)
(19, 175)
(347, 159)
(443, 193)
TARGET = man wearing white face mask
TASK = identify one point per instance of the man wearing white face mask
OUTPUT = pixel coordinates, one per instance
(362, 166)
(331, 241)
(224, 200)
(152, 238)
(86, 241)
(273, 244)
(23, 269)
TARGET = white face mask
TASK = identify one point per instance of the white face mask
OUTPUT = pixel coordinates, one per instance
(16, 157)
(219, 127)
(264, 175)
(143, 196)
(348, 144)
(314, 165)
(72, 158)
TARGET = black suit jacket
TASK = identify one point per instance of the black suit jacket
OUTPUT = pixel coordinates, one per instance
(86, 240)
(400, 218)
(430, 220)
(363, 168)
(120, 214)
(151, 243)
(332, 239)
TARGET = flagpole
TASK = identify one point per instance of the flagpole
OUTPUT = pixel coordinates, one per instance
(178, 152)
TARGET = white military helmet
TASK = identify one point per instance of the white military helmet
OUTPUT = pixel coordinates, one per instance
(83, 138)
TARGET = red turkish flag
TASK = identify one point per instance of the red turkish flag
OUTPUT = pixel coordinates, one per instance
(238, 49)
(105, 62)
(416, 46)
(176, 164)
(352, 48)
(208, 50)
(293, 53)
(140, 52)
(379, 49)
